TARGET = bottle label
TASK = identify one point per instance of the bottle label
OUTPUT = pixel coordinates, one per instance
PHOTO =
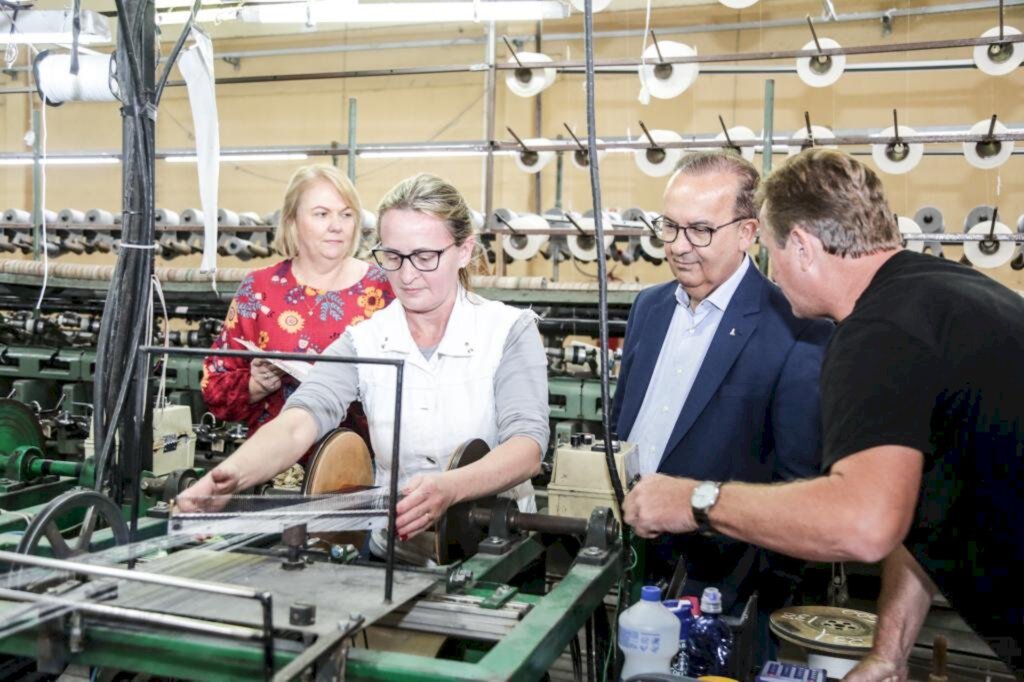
(646, 642)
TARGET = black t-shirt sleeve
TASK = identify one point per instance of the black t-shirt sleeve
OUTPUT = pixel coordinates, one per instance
(878, 387)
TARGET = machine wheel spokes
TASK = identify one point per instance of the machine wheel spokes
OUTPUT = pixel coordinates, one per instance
(98, 510)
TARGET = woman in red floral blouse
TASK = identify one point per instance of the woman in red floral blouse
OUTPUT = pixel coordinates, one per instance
(299, 305)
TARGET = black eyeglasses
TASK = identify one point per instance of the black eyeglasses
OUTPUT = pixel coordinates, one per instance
(668, 230)
(424, 260)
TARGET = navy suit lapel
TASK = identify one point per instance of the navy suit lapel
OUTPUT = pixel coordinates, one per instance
(737, 326)
(654, 329)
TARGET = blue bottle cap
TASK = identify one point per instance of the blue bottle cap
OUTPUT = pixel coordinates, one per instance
(650, 593)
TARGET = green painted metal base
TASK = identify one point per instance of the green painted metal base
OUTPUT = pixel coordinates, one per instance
(525, 654)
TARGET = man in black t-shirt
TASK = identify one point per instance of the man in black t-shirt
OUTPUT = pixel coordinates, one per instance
(923, 416)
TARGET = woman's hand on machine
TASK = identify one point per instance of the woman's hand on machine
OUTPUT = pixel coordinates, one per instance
(424, 499)
(211, 493)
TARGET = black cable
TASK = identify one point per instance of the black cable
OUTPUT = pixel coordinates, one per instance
(577, 663)
(602, 266)
(158, 93)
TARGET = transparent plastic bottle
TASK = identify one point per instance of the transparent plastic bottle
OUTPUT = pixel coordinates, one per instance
(710, 643)
(682, 609)
(648, 635)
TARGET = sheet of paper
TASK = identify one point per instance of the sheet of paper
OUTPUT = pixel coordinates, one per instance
(296, 368)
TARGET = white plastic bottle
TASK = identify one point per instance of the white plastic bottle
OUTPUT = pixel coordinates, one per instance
(648, 635)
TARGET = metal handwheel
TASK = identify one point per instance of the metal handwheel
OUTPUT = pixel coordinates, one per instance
(99, 512)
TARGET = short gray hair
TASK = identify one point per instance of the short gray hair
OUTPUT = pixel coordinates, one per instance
(724, 161)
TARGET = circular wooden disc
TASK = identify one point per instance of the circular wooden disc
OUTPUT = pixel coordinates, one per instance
(455, 537)
(341, 463)
(828, 629)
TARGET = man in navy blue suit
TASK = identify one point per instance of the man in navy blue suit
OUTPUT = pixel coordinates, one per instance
(719, 380)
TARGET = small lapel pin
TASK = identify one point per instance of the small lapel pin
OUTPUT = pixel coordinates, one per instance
(733, 332)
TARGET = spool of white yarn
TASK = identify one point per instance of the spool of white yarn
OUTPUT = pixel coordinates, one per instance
(16, 215)
(272, 218)
(652, 247)
(658, 162)
(800, 136)
(584, 246)
(738, 4)
(95, 81)
(987, 255)
(165, 216)
(666, 81)
(581, 157)
(525, 246)
(192, 216)
(986, 155)
(476, 219)
(741, 134)
(248, 218)
(893, 159)
(97, 216)
(533, 161)
(907, 226)
(71, 216)
(226, 217)
(1001, 58)
(368, 220)
(532, 78)
(821, 73)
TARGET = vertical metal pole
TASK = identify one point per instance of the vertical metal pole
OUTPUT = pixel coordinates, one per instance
(37, 183)
(766, 154)
(490, 104)
(389, 561)
(353, 110)
(559, 171)
(538, 126)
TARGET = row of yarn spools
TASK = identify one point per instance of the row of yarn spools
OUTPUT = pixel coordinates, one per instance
(894, 153)
(661, 78)
(629, 235)
(244, 235)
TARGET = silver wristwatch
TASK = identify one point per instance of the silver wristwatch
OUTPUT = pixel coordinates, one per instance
(704, 497)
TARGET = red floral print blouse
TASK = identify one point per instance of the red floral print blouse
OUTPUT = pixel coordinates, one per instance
(276, 312)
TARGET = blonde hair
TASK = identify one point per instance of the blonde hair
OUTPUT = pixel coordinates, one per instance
(286, 238)
(427, 193)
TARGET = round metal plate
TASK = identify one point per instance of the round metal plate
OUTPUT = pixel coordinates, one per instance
(456, 536)
(827, 629)
(18, 427)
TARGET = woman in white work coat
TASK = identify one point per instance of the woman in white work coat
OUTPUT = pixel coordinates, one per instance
(473, 369)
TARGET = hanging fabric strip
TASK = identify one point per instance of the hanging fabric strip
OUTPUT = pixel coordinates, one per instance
(196, 65)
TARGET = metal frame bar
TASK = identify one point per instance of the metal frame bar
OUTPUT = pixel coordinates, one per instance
(399, 365)
(482, 147)
(265, 599)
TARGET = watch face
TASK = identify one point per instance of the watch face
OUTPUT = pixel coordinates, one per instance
(704, 495)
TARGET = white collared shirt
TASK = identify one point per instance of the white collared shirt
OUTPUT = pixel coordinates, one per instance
(682, 353)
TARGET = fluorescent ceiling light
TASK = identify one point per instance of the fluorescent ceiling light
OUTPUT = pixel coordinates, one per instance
(228, 158)
(352, 12)
(427, 153)
(62, 161)
(53, 26)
